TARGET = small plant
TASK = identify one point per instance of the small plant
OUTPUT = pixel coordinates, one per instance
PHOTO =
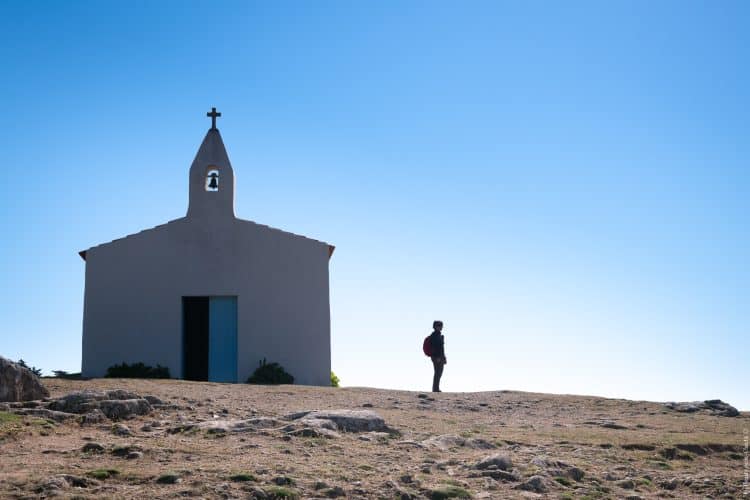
(564, 481)
(102, 474)
(335, 492)
(334, 380)
(36, 371)
(242, 477)
(449, 491)
(271, 374)
(8, 418)
(137, 370)
(65, 375)
(169, 478)
(276, 492)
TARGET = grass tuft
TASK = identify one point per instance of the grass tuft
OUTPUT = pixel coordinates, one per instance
(242, 477)
(275, 492)
(8, 418)
(449, 491)
(102, 474)
(564, 481)
(168, 478)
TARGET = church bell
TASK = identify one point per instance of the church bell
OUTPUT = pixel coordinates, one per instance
(213, 184)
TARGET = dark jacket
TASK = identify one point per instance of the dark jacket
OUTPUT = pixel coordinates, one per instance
(438, 344)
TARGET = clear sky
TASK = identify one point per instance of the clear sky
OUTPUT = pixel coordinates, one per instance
(564, 184)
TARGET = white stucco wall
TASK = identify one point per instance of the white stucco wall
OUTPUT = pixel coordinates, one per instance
(134, 287)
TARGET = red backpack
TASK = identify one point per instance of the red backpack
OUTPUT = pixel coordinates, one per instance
(427, 346)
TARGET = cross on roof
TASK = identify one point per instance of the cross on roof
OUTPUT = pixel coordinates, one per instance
(213, 114)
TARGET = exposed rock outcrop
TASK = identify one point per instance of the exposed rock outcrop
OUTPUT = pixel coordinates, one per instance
(18, 383)
(344, 420)
(713, 406)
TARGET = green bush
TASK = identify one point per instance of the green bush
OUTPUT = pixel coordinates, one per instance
(137, 370)
(449, 491)
(242, 477)
(334, 380)
(103, 474)
(65, 375)
(271, 374)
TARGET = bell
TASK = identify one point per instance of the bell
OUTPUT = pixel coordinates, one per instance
(213, 184)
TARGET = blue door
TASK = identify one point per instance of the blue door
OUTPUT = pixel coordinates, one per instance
(222, 339)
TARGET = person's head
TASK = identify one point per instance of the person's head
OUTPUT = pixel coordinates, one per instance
(437, 325)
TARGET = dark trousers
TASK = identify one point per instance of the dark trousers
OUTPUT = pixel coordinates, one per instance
(438, 365)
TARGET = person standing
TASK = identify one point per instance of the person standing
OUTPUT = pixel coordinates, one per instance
(437, 342)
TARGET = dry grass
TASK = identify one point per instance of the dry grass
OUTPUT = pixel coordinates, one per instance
(523, 426)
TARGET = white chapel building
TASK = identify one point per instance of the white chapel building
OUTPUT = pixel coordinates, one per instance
(209, 295)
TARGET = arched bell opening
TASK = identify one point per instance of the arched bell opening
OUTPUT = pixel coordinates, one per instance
(212, 180)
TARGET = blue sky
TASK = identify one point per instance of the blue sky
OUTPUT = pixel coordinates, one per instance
(564, 184)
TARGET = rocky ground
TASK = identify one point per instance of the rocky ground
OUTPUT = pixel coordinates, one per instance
(169, 439)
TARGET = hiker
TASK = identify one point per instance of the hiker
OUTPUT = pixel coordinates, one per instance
(437, 353)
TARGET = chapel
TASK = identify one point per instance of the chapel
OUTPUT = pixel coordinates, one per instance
(209, 295)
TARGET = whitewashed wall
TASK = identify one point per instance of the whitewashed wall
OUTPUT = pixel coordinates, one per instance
(135, 285)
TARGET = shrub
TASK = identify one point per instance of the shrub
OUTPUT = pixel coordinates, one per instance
(168, 478)
(242, 477)
(137, 370)
(334, 380)
(449, 491)
(102, 474)
(270, 373)
(65, 375)
(36, 371)
(281, 492)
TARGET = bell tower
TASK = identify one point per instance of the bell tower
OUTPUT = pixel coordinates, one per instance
(211, 177)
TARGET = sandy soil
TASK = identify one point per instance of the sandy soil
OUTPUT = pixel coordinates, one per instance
(550, 446)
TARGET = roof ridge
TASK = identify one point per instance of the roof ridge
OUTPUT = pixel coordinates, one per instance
(331, 248)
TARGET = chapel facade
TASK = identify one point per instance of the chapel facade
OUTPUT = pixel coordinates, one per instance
(209, 295)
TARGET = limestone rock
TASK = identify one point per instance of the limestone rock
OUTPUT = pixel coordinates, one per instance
(121, 430)
(447, 441)
(93, 417)
(498, 475)
(313, 432)
(124, 408)
(153, 400)
(77, 402)
(626, 484)
(558, 468)
(57, 416)
(537, 484)
(116, 404)
(346, 420)
(238, 425)
(126, 451)
(713, 406)
(18, 383)
(92, 448)
(497, 461)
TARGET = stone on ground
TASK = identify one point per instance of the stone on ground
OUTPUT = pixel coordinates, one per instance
(346, 420)
(496, 461)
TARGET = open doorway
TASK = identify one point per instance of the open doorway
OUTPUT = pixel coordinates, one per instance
(195, 338)
(209, 338)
